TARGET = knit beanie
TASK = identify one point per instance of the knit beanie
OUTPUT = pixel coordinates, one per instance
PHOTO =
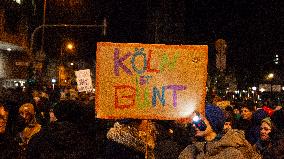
(216, 117)
(267, 120)
(258, 116)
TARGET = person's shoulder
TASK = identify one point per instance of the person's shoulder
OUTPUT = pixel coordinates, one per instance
(235, 132)
(234, 137)
(188, 152)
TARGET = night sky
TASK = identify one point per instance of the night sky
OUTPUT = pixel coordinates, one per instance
(253, 29)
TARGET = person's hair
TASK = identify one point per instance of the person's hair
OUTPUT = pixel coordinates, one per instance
(229, 116)
(27, 106)
(274, 129)
(249, 106)
(4, 106)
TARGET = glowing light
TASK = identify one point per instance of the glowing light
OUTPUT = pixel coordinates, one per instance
(195, 118)
(270, 76)
(254, 88)
(9, 49)
(262, 89)
(70, 46)
(188, 109)
(18, 1)
(71, 63)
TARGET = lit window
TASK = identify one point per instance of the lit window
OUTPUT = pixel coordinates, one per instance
(262, 89)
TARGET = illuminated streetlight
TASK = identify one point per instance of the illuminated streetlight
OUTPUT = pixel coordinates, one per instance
(70, 46)
(270, 76)
(53, 82)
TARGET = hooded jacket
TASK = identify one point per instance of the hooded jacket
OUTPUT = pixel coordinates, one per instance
(232, 145)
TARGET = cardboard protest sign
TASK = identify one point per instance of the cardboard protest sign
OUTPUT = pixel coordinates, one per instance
(150, 81)
(84, 80)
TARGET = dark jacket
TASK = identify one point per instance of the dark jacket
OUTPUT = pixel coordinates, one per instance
(8, 147)
(252, 127)
(59, 141)
(276, 149)
(69, 137)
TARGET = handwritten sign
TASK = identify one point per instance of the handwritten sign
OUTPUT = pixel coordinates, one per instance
(150, 81)
(84, 81)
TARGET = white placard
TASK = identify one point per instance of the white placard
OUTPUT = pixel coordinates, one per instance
(84, 80)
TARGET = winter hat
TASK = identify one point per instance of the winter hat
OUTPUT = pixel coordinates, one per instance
(216, 117)
(258, 116)
(267, 120)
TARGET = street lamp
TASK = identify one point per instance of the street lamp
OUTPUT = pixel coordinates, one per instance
(254, 88)
(53, 81)
(68, 46)
(270, 76)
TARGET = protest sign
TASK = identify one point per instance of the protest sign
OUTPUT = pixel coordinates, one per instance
(84, 80)
(150, 81)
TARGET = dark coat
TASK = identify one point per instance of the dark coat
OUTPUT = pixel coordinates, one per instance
(8, 147)
(61, 140)
(276, 149)
(252, 127)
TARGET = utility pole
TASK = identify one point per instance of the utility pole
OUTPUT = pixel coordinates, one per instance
(38, 58)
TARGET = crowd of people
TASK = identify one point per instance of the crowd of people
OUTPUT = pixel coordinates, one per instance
(61, 123)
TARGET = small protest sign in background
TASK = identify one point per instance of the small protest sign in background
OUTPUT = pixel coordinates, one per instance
(150, 81)
(84, 80)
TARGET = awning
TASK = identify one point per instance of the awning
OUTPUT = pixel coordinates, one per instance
(10, 47)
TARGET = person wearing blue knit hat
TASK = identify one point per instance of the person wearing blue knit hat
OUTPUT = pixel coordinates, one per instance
(209, 127)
